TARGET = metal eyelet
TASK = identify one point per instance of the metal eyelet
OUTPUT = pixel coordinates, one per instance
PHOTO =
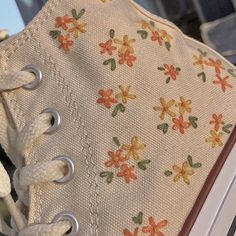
(70, 172)
(68, 216)
(56, 120)
(38, 76)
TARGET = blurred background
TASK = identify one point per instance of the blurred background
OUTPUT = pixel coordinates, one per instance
(210, 21)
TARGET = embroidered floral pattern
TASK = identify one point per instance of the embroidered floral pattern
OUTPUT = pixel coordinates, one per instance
(123, 48)
(202, 61)
(184, 171)
(217, 133)
(159, 36)
(69, 29)
(108, 99)
(125, 161)
(170, 71)
(175, 112)
(152, 228)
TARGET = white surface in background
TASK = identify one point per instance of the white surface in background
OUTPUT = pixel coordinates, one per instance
(219, 209)
(10, 17)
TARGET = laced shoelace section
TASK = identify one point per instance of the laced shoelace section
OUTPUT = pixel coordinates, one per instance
(25, 176)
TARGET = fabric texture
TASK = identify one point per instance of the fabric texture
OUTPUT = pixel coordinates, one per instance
(146, 112)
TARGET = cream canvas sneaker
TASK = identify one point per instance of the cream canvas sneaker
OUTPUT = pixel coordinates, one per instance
(118, 123)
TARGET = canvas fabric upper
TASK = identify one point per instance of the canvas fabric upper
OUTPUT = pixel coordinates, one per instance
(146, 112)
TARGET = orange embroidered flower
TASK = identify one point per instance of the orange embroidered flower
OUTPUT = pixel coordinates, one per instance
(183, 172)
(156, 37)
(171, 71)
(65, 41)
(184, 106)
(223, 82)
(77, 28)
(106, 98)
(215, 139)
(63, 21)
(217, 121)
(127, 57)
(116, 159)
(146, 25)
(129, 233)
(199, 61)
(165, 109)
(166, 36)
(127, 172)
(125, 94)
(216, 64)
(134, 148)
(107, 47)
(126, 44)
(154, 229)
(180, 124)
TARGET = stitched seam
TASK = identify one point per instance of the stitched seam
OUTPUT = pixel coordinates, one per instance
(84, 140)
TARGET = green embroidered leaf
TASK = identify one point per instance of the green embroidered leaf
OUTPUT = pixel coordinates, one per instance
(152, 23)
(79, 15)
(108, 175)
(168, 80)
(190, 160)
(164, 127)
(138, 219)
(193, 120)
(142, 164)
(55, 33)
(196, 165)
(178, 69)
(226, 128)
(232, 72)
(118, 107)
(203, 75)
(168, 46)
(202, 52)
(193, 165)
(116, 141)
(143, 33)
(112, 33)
(168, 173)
(161, 68)
(111, 61)
(122, 107)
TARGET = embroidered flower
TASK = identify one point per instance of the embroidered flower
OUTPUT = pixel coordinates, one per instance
(154, 229)
(116, 159)
(165, 108)
(217, 121)
(63, 22)
(134, 148)
(125, 94)
(180, 124)
(166, 35)
(129, 233)
(126, 44)
(215, 139)
(65, 42)
(199, 61)
(78, 28)
(216, 64)
(222, 82)
(106, 98)
(127, 172)
(146, 25)
(156, 37)
(184, 106)
(127, 57)
(107, 47)
(171, 71)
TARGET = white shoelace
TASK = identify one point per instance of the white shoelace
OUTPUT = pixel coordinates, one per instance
(26, 175)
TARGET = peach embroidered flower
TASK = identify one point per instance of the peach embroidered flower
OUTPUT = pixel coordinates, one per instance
(183, 172)
(125, 94)
(166, 36)
(106, 98)
(77, 28)
(134, 148)
(63, 21)
(107, 47)
(184, 106)
(222, 82)
(154, 229)
(127, 57)
(116, 159)
(217, 121)
(165, 109)
(215, 139)
(127, 172)
(216, 64)
(129, 233)
(126, 44)
(156, 37)
(171, 71)
(199, 61)
(65, 42)
(180, 124)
